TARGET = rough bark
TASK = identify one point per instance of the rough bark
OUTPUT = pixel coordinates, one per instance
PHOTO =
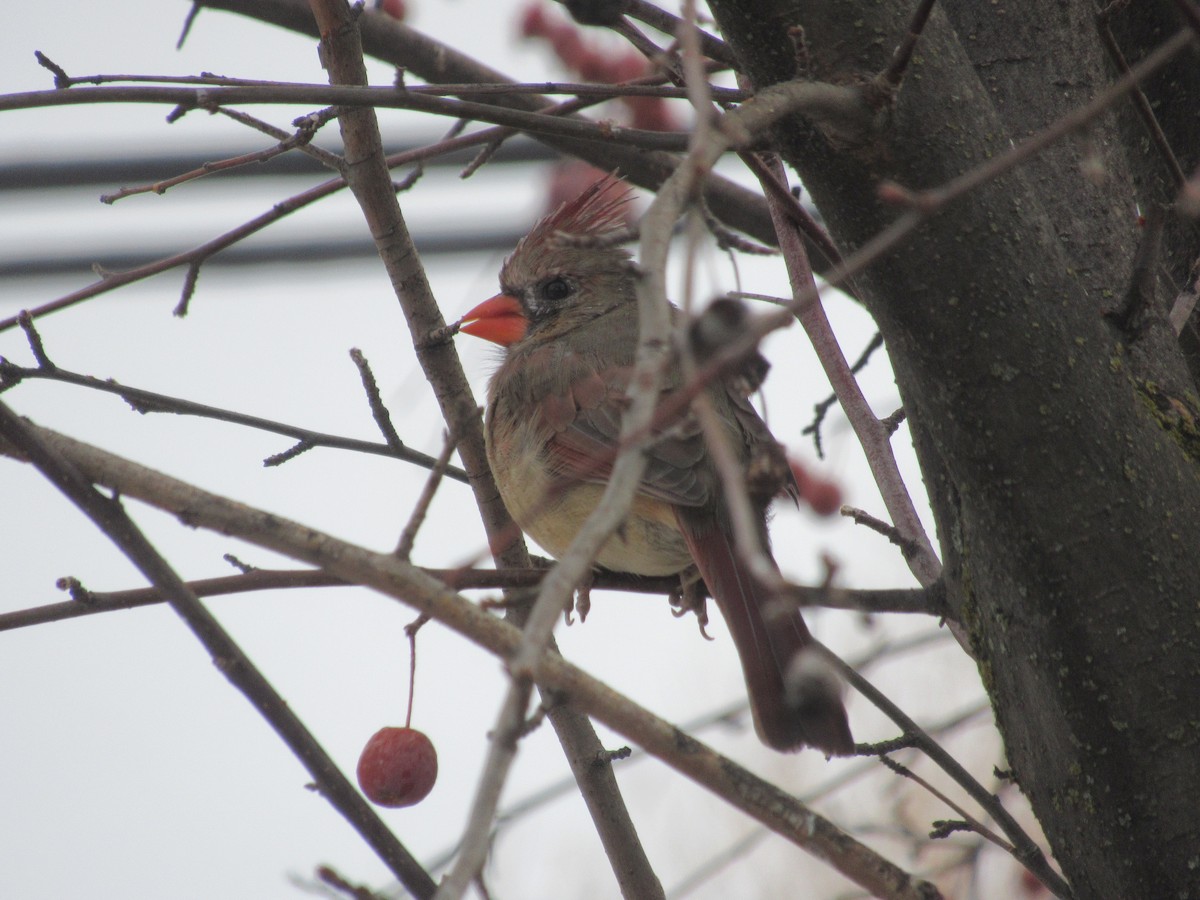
(1059, 447)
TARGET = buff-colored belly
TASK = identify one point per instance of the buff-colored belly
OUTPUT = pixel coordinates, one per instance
(648, 543)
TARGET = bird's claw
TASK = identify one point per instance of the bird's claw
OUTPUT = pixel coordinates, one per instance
(690, 597)
(583, 600)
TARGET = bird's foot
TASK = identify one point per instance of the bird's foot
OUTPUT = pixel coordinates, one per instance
(583, 599)
(690, 597)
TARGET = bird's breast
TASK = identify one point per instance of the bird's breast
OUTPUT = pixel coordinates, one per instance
(551, 510)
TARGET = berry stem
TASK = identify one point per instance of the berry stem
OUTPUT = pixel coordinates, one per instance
(412, 674)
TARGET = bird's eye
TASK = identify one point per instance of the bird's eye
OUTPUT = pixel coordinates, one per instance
(556, 289)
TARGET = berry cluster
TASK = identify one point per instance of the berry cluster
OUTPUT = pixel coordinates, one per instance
(593, 62)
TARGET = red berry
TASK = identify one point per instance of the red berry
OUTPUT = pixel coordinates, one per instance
(800, 474)
(398, 767)
(824, 497)
(534, 22)
(394, 8)
(567, 43)
(629, 66)
(651, 113)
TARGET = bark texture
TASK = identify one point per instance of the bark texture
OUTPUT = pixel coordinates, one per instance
(1058, 441)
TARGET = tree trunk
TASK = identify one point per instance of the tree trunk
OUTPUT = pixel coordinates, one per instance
(1056, 432)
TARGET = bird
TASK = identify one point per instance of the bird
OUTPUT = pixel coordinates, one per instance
(567, 320)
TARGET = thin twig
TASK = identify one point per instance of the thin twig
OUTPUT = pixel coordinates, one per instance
(1026, 850)
(812, 230)
(729, 240)
(187, 25)
(144, 401)
(300, 139)
(892, 422)
(970, 821)
(110, 281)
(667, 23)
(821, 409)
(190, 277)
(210, 99)
(193, 258)
(379, 410)
(924, 601)
(313, 121)
(1140, 102)
(643, 86)
(35, 344)
(61, 78)
(894, 73)
(409, 535)
(1181, 309)
(889, 531)
(920, 555)
(330, 876)
(665, 61)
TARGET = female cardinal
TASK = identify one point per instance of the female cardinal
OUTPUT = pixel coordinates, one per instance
(567, 318)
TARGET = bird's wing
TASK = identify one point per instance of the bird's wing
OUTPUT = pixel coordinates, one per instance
(585, 424)
(770, 474)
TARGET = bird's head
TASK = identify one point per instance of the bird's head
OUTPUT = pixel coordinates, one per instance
(562, 274)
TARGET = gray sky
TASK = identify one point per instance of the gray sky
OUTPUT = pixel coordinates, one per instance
(130, 767)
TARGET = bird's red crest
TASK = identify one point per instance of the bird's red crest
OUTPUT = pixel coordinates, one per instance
(597, 212)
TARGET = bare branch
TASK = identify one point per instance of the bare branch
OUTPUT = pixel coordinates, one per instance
(643, 86)
(371, 184)
(930, 201)
(402, 45)
(894, 73)
(821, 409)
(1181, 309)
(210, 99)
(409, 535)
(1026, 851)
(378, 410)
(35, 343)
(663, 21)
(300, 139)
(112, 520)
(61, 78)
(502, 750)
(144, 401)
(1138, 97)
(968, 821)
(383, 572)
(927, 601)
(919, 552)
(193, 258)
(110, 281)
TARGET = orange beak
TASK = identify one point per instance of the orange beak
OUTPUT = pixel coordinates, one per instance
(500, 320)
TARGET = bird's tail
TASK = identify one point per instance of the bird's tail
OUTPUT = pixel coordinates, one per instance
(792, 706)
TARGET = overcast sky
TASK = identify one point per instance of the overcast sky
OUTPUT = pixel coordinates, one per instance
(129, 767)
